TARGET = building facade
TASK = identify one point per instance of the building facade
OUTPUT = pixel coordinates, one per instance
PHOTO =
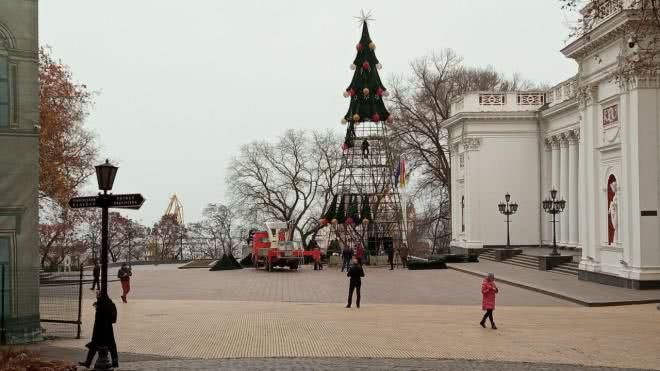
(595, 138)
(19, 169)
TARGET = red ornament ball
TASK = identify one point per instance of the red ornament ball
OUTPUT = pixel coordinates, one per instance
(324, 221)
(351, 92)
(349, 221)
(365, 65)
(375, 117)
(379, 92)
(359, 46)
(344, 146)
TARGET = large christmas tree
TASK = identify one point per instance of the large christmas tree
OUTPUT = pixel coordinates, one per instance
(367, 209)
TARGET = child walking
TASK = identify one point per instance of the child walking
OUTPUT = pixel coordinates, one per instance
(488, 290)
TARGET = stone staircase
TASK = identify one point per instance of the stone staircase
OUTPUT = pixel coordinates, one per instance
(529, 261)
(566, 268)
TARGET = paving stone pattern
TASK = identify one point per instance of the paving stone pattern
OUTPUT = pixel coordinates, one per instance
(355, 364)
(608, 336)
(380, 286)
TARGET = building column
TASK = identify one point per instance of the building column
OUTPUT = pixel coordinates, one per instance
(573, 175)
(563, 188)
(546, 228)
(554, 144)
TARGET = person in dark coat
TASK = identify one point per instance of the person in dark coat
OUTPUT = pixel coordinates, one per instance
(346, 255)
(102, 333)
(355, 272)
(390, 257)
(96, 272)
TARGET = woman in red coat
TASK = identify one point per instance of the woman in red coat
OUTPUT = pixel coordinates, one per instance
(488, 290)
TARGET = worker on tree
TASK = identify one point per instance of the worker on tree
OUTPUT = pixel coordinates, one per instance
(365, 148)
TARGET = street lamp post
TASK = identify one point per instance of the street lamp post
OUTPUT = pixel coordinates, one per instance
(554, 206)
(508, 208)
(105, 175)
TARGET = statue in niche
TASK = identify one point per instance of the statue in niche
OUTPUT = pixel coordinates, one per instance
(612, 211)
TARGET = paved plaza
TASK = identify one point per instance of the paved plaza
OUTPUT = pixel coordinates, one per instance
(196, 319)
(560, 285)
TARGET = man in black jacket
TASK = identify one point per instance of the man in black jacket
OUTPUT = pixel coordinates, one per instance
(96, 272)
(355, 272)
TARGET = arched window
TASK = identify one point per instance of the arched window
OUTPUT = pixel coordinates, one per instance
(612, 210)
(8, 80)
(4, 91)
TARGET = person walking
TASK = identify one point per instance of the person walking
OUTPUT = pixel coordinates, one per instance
(390, 258)
(355, 272)
(488, 290)
(403, 253)
(102, 333)
(346, 255)
(124, 274)
(96, 272)
(359, 253)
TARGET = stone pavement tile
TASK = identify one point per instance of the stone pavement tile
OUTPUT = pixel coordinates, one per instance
(354, 364)
(605, 336)
(563, 286)
(380, 286)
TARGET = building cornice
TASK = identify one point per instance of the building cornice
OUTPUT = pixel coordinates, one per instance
(600, 35)
(488, 116)
(560, 108)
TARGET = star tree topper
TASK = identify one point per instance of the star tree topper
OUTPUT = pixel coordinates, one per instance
(364, 17)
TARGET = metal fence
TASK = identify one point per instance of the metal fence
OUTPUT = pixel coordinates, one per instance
(35, 304)
(60, 302)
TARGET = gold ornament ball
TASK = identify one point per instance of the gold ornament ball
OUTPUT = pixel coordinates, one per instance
(356, 117)
(372, 46)
(365, 91)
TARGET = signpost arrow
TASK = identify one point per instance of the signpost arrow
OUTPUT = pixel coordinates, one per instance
(128, 201)
(83, 202)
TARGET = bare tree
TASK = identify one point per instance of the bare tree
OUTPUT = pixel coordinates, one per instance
(214, 235)
(327, 144)
(276, 181)
(421, 103)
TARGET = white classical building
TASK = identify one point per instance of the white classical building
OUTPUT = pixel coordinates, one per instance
(595, 138)
(19, 169)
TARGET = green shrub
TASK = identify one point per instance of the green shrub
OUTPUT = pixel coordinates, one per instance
(247, 261)
(227, 262)
(431, 264)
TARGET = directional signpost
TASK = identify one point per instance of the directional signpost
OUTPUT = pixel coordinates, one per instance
(105, 174)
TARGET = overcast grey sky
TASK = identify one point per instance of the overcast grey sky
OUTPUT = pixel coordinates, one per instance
(183, 84)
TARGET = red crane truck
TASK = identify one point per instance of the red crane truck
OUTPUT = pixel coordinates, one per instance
(270, 249)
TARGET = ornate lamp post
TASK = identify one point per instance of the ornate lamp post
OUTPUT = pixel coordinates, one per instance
(105, 175)
(553, 206)
(507, 208)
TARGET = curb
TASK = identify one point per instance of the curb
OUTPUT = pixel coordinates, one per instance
(555, 294)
